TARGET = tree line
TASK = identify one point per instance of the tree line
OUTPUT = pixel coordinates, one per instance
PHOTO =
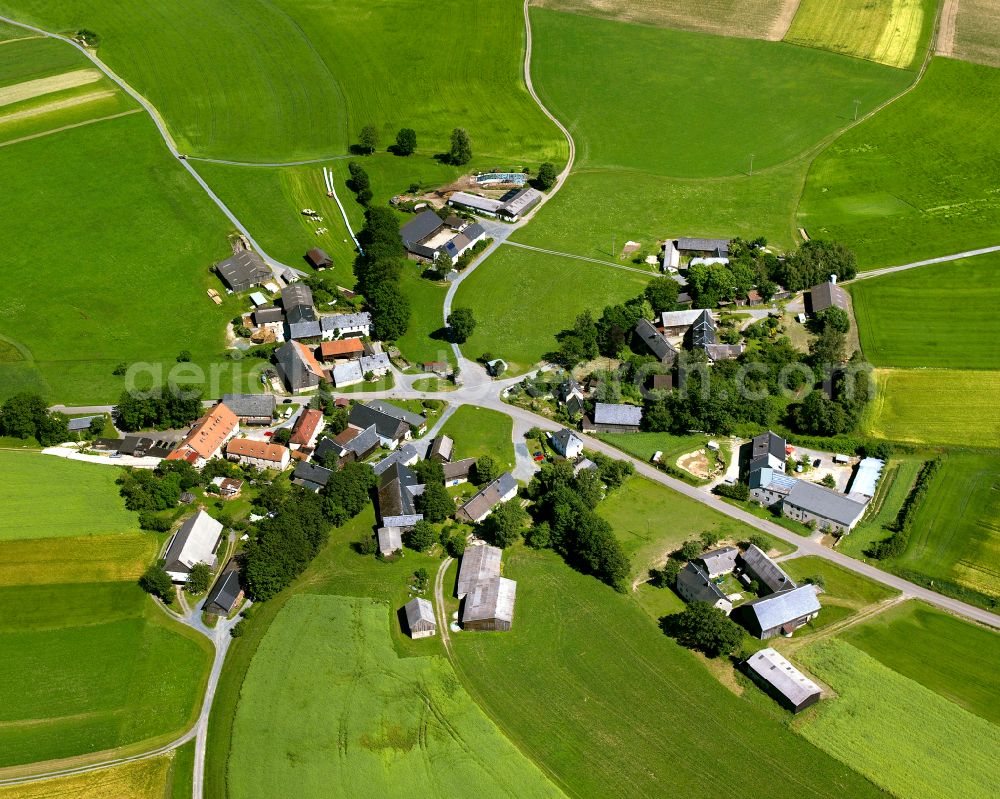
(26, 415)
(162, 408)
(378, 270)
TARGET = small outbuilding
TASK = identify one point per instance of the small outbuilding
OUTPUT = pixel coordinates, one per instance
(318, 258)
(420, 618)
(782, 680)
(390, 539)
(226, 593)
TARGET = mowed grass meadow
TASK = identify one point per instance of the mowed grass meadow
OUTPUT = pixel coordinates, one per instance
(328, 701)
(936, 406)
(45, 496)
(286, 79)
(522, 299)
(481, 431)
(610, 706)
(882, 724)
(690, 105)
(911, 182)
(935, 316)
(893, 32)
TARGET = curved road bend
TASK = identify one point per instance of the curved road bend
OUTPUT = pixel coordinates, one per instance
(276, 266)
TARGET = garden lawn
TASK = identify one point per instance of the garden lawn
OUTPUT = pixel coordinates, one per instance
(520, 301)
(881, 723)
(609, 706)
(935, 406)
(481, 431)
(122, 276)
(941, 652)
(425, 338)
(942, 315)
(644, 445)
(893, 32)
(88, 501)
(612, 84)
(910, 183)
(93, 667)
(286, 80)
(142, 779)
(652, 521)
(327, 701)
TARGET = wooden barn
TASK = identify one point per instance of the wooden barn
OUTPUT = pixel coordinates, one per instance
(420, 618)
(489, 605)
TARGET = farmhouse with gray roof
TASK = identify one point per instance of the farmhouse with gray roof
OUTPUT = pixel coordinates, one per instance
(779, 613)
(478, 563)
(503, 489)
(768, 450)
(420, 620)
(334, 326)
(755, 563)
(397, 487)
(251, 408)
(489, 605)
(194, 542)
(297, 300)
(655, 342)
(694, 585)
(226, 592)
(311, 476)
(567, 443)
(709, 248)
(827, 295)
(243, 270)
(406, 455)
(830, 510)
(427, 236)
(719, 561)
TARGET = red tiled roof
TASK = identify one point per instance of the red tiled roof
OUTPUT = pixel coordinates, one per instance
(344, 346)
(207, 434)
(348, 435)
(256, 449)
(305, 427)
(309, 359)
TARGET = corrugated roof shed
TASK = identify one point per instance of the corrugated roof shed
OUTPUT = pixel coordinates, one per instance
(821, 501)
(756, 561)
(194, 542)
(866, 477)
(420, 614)
(781, 675)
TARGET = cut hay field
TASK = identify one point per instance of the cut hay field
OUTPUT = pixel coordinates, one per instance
(286, 80)
(143, 779)
(911, 183)
(88, 501)
(758, 19)
(90, 559)
(481, 431)
(936, 406)
(941, 652)
(111, 262)
(520, 301)
(893, 32)
(374, 723)
(611, 707)
(976, 32)
(689, 105)
(935, 316)
(881, 723)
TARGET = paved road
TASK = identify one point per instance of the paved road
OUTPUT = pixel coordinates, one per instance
(273, 164)
(276, 266)
(940, 260)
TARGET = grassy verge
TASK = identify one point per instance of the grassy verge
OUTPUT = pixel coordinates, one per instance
(480, 431)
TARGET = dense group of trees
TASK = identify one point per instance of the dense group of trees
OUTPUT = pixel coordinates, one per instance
(359, 183)
(27, 416)
(169, 406)
(704, 628)
(564, 518)
(378, 271)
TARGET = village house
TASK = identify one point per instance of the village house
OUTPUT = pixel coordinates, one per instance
(457, 472)
(261, 454)
(243, 270)
(779, 678)
(406, 455)
(307, 427)
(207, 437)
(228, 487)
(269, 323)
(349, 445)
(694, 585)
(318, 259)
(829, 510)
(489, 605)
(608, 418)
(571, 396)
(827, 295)
(226, 593)
(311, 476)
(769, 487)
(768, 451)
(195, 541)
(420, 620)
(298, 366)
(427, 237)
(341, 350)
(567, 443)
(300, 311)
(702, 247)
(783, 612)
(398, 486)
(394, 425)
(655, 342)
(256, 409)
(718, 561)
(346, 325)
(756, 565)
(503, 489)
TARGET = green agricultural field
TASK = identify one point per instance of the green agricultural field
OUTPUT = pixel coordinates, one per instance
(88, 498)
(284, 80)
(893, 32)
(480, 431)
(936, 406)
(759, 19)
(609, 706)
(696, 106)
(881, 723)
(844, 592)
(942, 315)
(909, 183)
(88, 559)
(389, 725)
(520, 301)
(142, 779)
(136, 221)
(424, 339)
(94, 667)
(651, 521)
(941, 652)
(181, 772)
(894, 486)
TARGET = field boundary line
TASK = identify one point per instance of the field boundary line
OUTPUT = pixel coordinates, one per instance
(648, 273)
(70, 127)
(275, 164)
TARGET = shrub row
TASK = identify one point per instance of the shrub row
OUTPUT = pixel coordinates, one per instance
(895, 545)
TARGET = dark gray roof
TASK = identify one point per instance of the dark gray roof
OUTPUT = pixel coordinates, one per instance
(343, 321)
(244, 267)
(720, 561)
(263, 316)
(311, 475)
(822, 501)
(694, 583)
(442, 448)
(695, 244)
(304, 329)
(80, 423)
(364, 441)
(395, 491)
(703, 330)
(779, 609)
(404, 454)
(766, 570)
(562, 438)
(490, 496)
(422, 226)
(457, 469)
(414, 420)
(605, 413)
(388, 427)
(250, 405)
(478, 563)
(655, 341)
(225, 592)
(297, 300)
(768, 444)
(490, 599)
(827, 295)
